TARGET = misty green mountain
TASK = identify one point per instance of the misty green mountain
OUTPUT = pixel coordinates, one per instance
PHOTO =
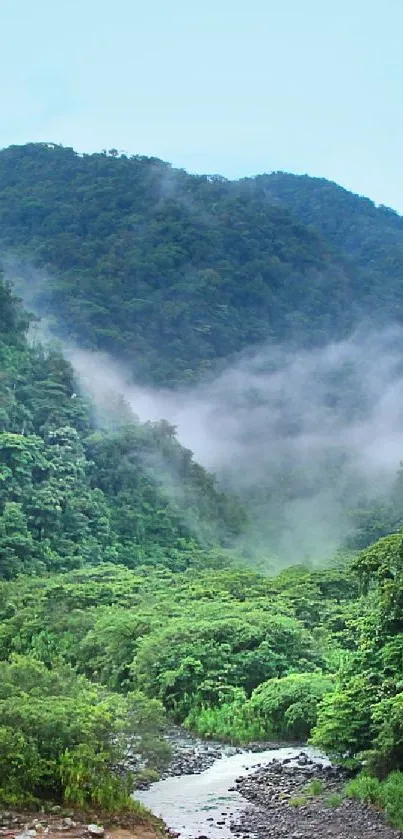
(172, 273)
(123, 604)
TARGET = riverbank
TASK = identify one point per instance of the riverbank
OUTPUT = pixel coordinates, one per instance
(300, 799)
(23, 824)
(281, 793)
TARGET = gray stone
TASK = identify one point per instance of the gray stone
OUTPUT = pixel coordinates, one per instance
(96, 830)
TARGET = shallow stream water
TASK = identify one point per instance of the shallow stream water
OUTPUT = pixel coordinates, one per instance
(203, 805)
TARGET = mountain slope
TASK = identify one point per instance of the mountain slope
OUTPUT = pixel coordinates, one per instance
(370, 236)
(72, 492)
(167, 271)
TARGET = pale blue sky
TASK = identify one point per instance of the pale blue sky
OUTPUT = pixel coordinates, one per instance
(215, 86)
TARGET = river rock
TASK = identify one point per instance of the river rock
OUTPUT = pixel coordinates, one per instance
(96, 830)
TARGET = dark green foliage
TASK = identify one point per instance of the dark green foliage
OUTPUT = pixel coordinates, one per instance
(172, 272)
(371, 237)
(168, 272)
(364, 712)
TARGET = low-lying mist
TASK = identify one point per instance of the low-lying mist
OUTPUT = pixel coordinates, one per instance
(309, 440)
(305, 439)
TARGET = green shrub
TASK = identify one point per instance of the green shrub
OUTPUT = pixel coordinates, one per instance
(365, 788)
(61, 735)
(387, 716)
(87, 780)
(298, 801)
(192, 661)
(287, 707)
(20, 767)
(228, 721)
(344, 724)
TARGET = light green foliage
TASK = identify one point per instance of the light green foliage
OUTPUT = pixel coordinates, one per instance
(344, 718)
(55, 723)
(228, 721)
(391, 798)
(287, 707)
(199, 640)
(298, 801)
(88, 781)
(279, 708)
(364, 787)
(195, 662)
(186, 638)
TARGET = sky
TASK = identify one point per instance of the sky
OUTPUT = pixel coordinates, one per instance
(234, 87)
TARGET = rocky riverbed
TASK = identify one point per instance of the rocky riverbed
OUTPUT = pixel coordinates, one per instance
(282, 792)
(191, 755)
(300, 799)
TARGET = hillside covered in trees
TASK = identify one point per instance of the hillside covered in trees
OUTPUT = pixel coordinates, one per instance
(123, 603)
(172, 272)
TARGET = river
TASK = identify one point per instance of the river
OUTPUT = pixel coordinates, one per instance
(206, 804)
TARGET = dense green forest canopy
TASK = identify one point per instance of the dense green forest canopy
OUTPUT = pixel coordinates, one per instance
(371, 236)
(172, 272)
(122, 602)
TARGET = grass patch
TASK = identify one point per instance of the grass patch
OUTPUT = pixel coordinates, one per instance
(387, 794)
(392, 798)
(333, 800)
(315, 787)
(298, 801)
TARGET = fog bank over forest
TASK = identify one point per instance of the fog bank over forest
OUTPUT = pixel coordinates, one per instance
(306, 439)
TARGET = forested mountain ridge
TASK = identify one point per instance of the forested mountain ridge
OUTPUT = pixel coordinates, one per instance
(371, 236)
(172, 272)
(167, 271)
